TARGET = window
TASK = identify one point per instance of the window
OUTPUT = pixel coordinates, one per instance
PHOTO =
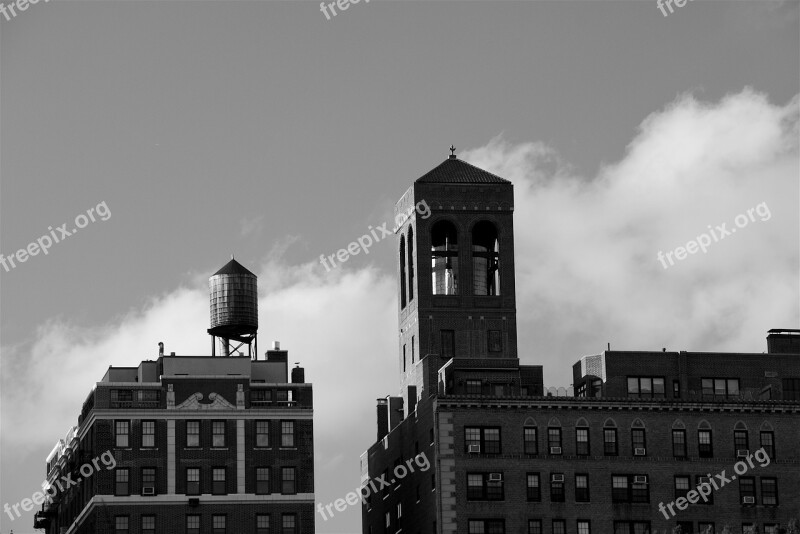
(686, 527)
(148, 478)
(582, 441)
(444, 259)
(262, 433)
(710, 496)
(554, 440)
(681, 486)
(740, 441)
(262, 480)
(193, 481)
(260, 397)
(770, 528)
(474, 387)
(720, 387)
(412, 349)
(192, 433)
(748, 528)
(289, 524)
(192, 524)
(148, 433)
(747, 490)
(704, 527)
(632, 527)
(557, 487)
(638, 442)
(768, 444)
(534, 526)
(704, 445)
(448, 343)
(486, 526)
(495, 339)
(679, 443)
(218, 433)
(583, 527)
(485, 259)
(769, 491)
(629, 488)
(287, 433)
(288, 482)
(484, 487)
(581, 488)
(218, 523)
(791, 388)
(410, 264)
(148, 524)
(534, 487)
(676, 389)
(122, 431)
(530, 439)
(121, 398)
(402, 272)
(487, 438)
(559, 526)
(610, 441)
(218, 481)
(643, 386)
(262, 524)
(122, 481)
(121, 524)
(404, 357)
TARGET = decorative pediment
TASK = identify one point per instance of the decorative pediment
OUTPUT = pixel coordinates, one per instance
(218, 402)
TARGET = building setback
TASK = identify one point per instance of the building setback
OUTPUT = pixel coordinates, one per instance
(629, 452)
(192, 444)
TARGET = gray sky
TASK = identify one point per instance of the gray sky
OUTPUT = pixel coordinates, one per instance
(262, 129)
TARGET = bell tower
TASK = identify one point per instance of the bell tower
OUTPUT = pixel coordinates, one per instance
(455, 258)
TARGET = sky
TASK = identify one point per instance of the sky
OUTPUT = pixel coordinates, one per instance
(194, 130)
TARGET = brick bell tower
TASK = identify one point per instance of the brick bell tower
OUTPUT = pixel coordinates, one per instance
(455, 257)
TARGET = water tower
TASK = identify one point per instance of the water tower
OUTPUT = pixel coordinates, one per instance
(234, 309)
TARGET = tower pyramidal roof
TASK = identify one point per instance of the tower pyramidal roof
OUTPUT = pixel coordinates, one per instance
(455, 171)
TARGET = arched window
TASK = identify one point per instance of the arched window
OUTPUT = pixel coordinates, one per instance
(485, 259)
(410, 264)
(444, 258)
(402, 273)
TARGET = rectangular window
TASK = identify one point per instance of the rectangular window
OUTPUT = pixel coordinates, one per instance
(218, 481)
(676, 389)
(218, 433)
(262, 524)
(148, 433)
(486, 438)
(681, 486)
(218, 524)
(554, 440)
(584, 527)
(122, 432)
(192, 433)
(287, 433)
(491, 440)
(704, 446)
(632, 527)
(193, 481)
(582, 441)
(531, 440)
(192, 524)
(485, 487)
(148, 524)
(262, 480)
(679, 443)
(791, 388)
(645, 386)
(559, 526)
(638, 442)
(122, 481)
(413, 351)
(120, 524)
(289, 524)
(630, 488)
(260, 397)
(148, 480)
(288, 482)
(474, 387)
(262, 433)
(768, 444)
(534, 487)
(495, 341)
(686, 527)
(557, 487)
(720, 387)
(610, 441)
(769, 491)
(704, 527)
(748, 528)
(534, 526)
(448, 343)
(705, 480)
(770, 528)
(581, 488)
(747, 490)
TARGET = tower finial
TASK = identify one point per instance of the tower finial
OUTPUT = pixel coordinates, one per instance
(452, 152)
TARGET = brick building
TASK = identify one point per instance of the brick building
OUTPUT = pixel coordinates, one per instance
(642, 429)
(191, 444)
